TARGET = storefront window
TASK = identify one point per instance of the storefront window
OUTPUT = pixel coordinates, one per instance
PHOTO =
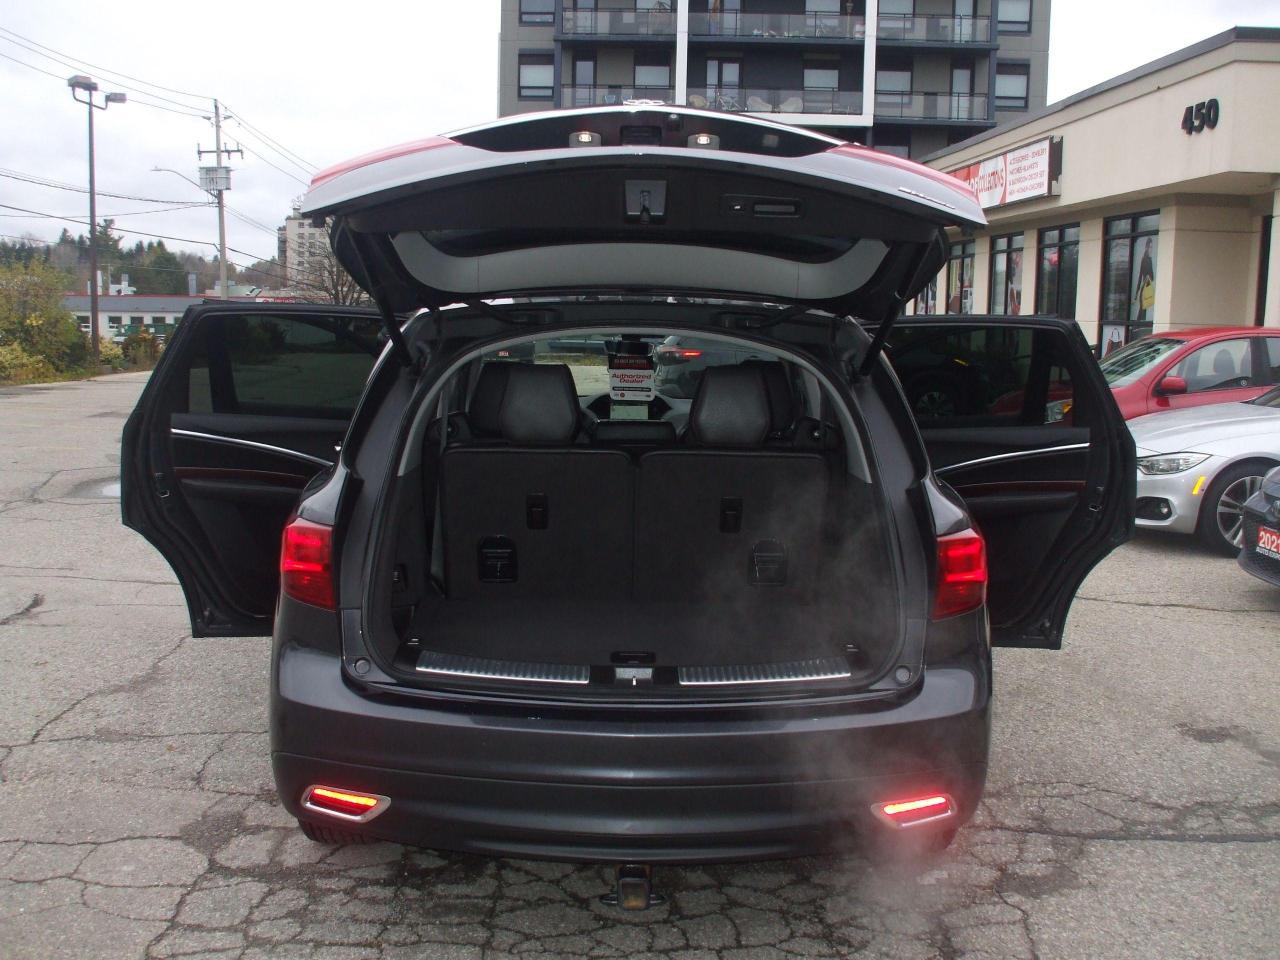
(1006, 275)
(960, 277)
(1059, 265)
(927, 300)
(1128, 279)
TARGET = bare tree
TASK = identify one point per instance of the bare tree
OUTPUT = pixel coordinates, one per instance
(320, 278)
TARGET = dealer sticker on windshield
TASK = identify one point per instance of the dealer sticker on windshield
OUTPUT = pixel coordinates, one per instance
(1269, 542)
(630, 378)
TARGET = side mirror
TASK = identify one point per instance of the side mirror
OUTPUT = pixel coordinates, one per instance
(1171, 386)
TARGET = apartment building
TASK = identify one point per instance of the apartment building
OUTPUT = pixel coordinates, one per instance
(907, 76)
(301, 248)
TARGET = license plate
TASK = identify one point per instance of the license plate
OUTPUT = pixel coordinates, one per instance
(1269, 542)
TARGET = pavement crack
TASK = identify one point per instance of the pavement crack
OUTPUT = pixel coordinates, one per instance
(34, 604)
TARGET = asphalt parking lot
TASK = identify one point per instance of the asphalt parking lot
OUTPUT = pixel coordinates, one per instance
(1133, 807)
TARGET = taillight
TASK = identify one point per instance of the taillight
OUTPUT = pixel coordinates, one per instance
(962, 574)
(344, 804)
(306, 563)
(909, 813)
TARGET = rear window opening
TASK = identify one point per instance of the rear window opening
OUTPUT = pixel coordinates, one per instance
(638, 514)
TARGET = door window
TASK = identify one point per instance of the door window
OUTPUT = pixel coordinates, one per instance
(1272, 360)
(314, 366)
(960, 278)
(957, 377)
(1058, 268)
(1006, 275)
(1129, 279)
(1224, 365)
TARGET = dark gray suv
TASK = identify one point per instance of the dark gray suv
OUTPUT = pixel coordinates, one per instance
(524, 604)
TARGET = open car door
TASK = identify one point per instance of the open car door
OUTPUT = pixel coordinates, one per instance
(248, 403)
(1018, 419)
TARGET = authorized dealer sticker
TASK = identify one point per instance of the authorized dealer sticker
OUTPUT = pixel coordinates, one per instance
(631, 378)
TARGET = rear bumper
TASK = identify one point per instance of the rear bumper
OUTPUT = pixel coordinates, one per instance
(531, 783)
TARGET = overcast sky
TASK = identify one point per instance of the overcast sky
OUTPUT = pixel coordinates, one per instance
(332, 80)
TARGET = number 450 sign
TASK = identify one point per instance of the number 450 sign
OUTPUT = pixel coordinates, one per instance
(1202, 115)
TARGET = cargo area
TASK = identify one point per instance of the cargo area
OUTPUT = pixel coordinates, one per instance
(645, 514)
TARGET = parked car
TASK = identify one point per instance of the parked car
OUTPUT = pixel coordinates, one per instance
(1260, 551)
(498, 631)
(1197, 467)
(681, 360)
(1189, 368)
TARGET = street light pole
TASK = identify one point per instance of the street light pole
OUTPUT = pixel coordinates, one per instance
(83, 83)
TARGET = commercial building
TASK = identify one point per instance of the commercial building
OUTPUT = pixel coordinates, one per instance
(1148, 202)
(905, 76)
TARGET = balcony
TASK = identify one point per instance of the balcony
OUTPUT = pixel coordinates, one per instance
(923, 105)
(934, 28)
(773, 100)
(777, 26)
(623, 24)
(603, 96)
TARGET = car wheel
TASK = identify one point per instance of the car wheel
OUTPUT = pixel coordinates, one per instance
(332, 836)
(932, 398)
(1221, 524)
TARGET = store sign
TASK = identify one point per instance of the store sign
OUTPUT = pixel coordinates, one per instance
(1022, 174)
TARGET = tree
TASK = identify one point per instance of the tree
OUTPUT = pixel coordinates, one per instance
(33, 320)
(158, 271)
(324, 280)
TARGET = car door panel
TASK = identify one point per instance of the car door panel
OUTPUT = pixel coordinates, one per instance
(1037, 450)
(212, 468)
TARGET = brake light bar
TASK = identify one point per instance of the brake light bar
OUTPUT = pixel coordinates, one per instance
(344, 804)
(910, 813)
(962, 574)
(306, 563)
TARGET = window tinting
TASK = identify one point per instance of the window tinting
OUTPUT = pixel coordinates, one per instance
(1272, 360)
(313, 366)
(981, 376)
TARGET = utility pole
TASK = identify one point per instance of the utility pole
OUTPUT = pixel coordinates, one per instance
(217, 180)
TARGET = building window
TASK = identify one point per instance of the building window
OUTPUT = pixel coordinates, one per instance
(83, 320)
(537, 76)
(1129, 260)
(652, 69)
(1012, 82)
(960, 277)
(137, 321)
(821, 77)
(1057, 269)
(1015, 16)
(113, 321)
(897, 8)
(927, 300)
(1006, 275)
(538, 12)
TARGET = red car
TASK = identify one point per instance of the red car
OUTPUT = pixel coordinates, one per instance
(1187, 368)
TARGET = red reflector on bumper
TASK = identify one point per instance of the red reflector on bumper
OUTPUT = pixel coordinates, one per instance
(345, 804)
(908, 813)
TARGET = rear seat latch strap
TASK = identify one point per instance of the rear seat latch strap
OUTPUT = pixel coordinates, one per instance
(535, 511)
(730, 514)
(768, 563)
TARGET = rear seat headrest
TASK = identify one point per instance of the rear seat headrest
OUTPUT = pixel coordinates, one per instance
(731, 408)
(485, 409)
(540, 404)
(782, 402)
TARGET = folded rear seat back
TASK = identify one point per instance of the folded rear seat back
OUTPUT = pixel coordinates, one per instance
(537, 516)
(726, 518)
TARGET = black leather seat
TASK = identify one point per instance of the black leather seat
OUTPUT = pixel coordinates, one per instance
(535, 515)
(725, 516)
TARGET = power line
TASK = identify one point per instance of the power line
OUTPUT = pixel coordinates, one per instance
(270, 164)
(280, 147)
(112, 216)
(145, 83)
(307, 171)
(60, 185)
(134, 100)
